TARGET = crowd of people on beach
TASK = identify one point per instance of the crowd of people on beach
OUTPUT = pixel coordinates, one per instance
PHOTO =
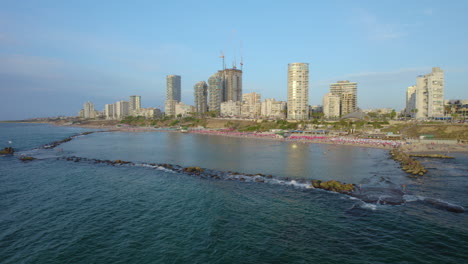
(379, 143)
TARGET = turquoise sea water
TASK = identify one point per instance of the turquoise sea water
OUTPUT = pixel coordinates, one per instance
(57, 211)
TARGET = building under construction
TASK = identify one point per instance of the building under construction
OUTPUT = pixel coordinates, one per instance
(232, 88)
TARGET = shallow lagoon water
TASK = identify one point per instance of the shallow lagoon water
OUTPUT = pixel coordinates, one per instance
(54, 211)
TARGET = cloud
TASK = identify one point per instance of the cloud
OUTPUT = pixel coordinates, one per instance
(376, 29)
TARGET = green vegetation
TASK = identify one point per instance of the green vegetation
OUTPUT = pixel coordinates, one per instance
(175, 122)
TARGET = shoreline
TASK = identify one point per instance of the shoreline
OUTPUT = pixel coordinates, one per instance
(410, 148)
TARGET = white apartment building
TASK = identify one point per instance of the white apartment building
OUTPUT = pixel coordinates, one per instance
(121, 109)
(331, 105)
(410, 100)
(429, 95)
(184, 110)
(88, 110)
(298, 91)
(149, 112)
(347, 91)
(170, 107)
(251, 105)
(110, 111)
(134, 104)
(231, 108)
(273, 109)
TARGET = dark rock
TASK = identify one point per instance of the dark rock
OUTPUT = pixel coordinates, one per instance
(444, 205)
(26, 158)
(379, 195)
(7, 151)
(334, 186)
(193, 170)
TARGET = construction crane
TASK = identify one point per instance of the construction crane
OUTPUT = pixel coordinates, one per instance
(241, 58)
(222, 56)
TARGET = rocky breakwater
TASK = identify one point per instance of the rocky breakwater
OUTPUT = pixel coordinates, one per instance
(57, 143)
(334, 186)
(408, 164)
(7, 151)
(434, 156)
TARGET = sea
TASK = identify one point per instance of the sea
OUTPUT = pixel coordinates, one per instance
(57, 209)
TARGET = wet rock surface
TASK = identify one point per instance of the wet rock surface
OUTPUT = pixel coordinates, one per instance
(57, 143)
(7, 151)
(435, 156)
(379, 195)
(26, 158)
(408, 164)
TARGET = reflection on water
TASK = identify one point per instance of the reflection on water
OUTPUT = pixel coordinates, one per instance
(279, 158)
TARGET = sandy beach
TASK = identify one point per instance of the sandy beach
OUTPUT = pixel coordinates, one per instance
(409, 147)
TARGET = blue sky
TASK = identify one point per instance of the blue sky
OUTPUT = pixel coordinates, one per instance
(55, 55)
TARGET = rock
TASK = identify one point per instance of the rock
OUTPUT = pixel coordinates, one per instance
(26, 158)
(334, 186)
(120, 162)
(7, 151)
(259, 180)
(379, 195)
(444, 205)
(195, 170)
(316, 183)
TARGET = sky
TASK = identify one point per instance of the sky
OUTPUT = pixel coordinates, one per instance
(56, 55)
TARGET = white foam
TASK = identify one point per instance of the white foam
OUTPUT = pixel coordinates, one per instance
(412, 198)
(369, 206)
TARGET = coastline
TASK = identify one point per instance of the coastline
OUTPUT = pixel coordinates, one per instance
(410, 148)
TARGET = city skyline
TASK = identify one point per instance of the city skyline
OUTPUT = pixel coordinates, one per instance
(63, 49)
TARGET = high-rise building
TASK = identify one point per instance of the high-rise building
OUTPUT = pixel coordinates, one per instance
(173, 86)
(232, 87)
(215, 92)
(88, 110)
(134, 104)
(273, 109)
(121, 109)
(298, 91)
(331, 105)
(200, 96)
(429, 95)
(109, 111)
(173, 95)
(251, 105)
(347, 91)
(410, 100)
